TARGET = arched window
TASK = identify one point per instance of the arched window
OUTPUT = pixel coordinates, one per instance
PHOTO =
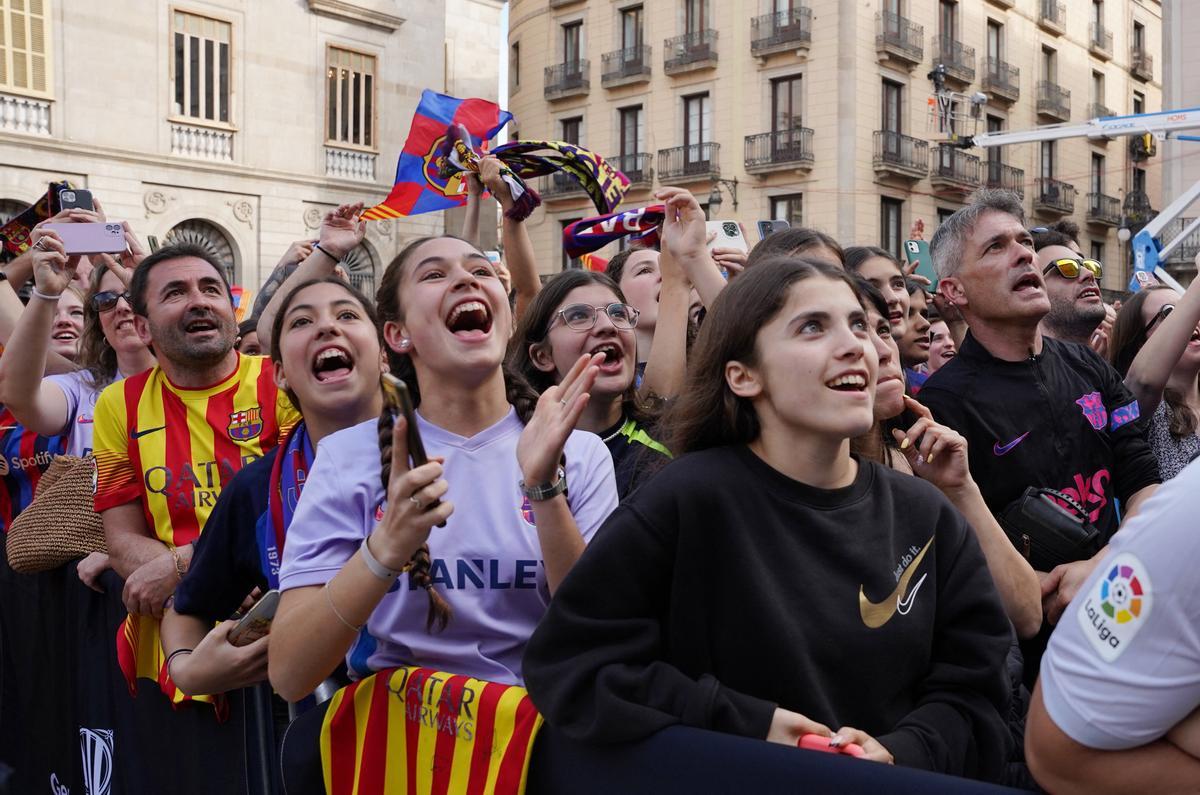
(360, 266)
(208, 236)
(10, 208)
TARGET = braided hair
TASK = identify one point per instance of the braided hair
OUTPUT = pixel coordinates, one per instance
(518, 392)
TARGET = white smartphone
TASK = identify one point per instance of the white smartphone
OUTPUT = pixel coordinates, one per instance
(729, 235)
(257, 621)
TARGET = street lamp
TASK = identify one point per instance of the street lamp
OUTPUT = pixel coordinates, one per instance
(714, 196)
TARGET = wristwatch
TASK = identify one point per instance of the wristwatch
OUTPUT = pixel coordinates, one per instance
(545, 491)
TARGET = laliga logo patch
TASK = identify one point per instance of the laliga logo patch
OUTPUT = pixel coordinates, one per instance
(1116, 607)
(527, 512)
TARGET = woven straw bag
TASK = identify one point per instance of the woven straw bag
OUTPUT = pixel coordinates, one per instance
(60, 524)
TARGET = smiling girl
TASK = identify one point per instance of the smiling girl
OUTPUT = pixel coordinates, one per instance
(770, 584)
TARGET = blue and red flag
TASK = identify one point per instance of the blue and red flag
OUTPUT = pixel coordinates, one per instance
(419, 187)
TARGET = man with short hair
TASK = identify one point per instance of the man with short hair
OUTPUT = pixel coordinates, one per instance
(1072, 284)
(168, 439)
(1035, 411)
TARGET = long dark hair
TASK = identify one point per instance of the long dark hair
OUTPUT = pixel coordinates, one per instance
(876, 443)
(518, 392)
(1128, 337)
(856, 256)
(707, 412)
(792, 242)
(277, 323)
(534, 326)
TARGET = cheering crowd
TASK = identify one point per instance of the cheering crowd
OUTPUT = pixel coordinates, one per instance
(799, 494)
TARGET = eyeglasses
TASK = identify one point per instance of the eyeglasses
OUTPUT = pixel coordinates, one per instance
(107, 300)
(1159, 315)
(582, 317)
(1069, 268)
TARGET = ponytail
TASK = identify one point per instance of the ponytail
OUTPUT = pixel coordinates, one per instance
(439, 611)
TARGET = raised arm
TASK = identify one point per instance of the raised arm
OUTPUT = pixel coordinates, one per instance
(701, 271)
(341, 230)
(1151, 368)
(518, 248)
(470, 230)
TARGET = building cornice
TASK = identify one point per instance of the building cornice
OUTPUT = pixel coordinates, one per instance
(352, 12)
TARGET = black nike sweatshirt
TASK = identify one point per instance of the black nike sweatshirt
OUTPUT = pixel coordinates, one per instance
(726, 588)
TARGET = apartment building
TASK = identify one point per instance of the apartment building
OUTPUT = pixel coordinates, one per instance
(1181, 159)
(235, 124)
(818, 111)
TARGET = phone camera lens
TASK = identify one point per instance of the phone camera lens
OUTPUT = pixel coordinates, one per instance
(68, 195)
(731, 230)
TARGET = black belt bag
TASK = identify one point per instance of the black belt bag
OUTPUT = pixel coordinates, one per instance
(1045, 532)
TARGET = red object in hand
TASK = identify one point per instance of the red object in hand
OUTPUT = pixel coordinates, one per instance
(815, 742)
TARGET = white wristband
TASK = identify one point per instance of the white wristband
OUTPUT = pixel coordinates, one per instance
(33, 291)
(375, 567)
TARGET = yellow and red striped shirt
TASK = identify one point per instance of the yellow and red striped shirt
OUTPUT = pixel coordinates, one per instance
(173, 449)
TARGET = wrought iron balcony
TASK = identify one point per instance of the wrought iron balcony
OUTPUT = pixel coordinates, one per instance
(558, 186)
(779, 151)
(954, 170)
(1142, 147)
(1002, 79)
(1054, 197)
(1053, 100)
(1185, 253)
(568, 79)
(1097, 110)
(900, 155)
(636, 166)
(898, 38)
(1138, 210)
(1103, 210)
(689, 163)
(622, 67)
(1141, 65)
(690, 51)
(1100, 41)
(1001, 176)
(958, 58)
(1052, 16)
(781, 31)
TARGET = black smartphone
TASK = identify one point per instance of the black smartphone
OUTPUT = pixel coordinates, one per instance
(399, 401)
(75, 199)
(766, 228)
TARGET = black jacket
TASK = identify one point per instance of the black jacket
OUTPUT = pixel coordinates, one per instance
(725, 588)
(1060, 420)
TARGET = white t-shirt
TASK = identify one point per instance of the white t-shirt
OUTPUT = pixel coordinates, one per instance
(81, 404)
(487, 561)
(1123, 666)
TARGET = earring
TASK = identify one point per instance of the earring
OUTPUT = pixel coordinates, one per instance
(405, 344)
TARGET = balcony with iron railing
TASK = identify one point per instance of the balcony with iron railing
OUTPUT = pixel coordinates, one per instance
(1137, 210)
(1052, 16)
(783, 150)
(690, 52)
(1098, 110)
(1100, 41)
(1053, 100)
(560, 186)
(623, 67)
(1103, 210)
(899, 39)
(954, 170)
(1001, 79)
(783, 31)
(1141, 64)
(998, 175)
(637, 166)
(900, 155)
(958, 58)
(690, 163)
(1185, 253)
(569, 79)
(1053, 197)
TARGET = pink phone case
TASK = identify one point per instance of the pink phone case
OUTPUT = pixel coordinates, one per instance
(105, 238)
(815, 742)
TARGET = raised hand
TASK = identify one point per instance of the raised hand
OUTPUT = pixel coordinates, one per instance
(342, 229)
(297, 252)
(935, 453)
(53, 270)
(410, 514)
(540, 447)
(683, 232)
(489, 175)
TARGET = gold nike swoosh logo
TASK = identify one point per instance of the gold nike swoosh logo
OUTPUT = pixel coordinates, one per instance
(875, 615)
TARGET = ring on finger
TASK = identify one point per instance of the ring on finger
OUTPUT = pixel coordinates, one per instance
(40, 244)
(415, 501)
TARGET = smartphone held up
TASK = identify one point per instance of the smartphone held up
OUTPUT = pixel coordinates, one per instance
(90, 238)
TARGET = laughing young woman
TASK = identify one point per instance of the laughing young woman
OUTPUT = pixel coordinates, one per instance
(516, 516)
(771, 585)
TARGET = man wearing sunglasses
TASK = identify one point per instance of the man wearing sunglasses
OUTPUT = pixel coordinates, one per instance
(1036, 411)
(1073, 286)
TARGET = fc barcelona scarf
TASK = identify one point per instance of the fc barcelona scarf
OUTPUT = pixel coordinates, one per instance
(604, 184)
(456, 155)
(412, 731)
(590, 234)
(288, 474)
(15, 234)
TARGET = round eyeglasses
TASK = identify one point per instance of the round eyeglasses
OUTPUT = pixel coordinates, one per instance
(582, 317)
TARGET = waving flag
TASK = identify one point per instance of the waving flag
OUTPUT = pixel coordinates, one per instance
(419, 187)
(604, 184)
(591, 234)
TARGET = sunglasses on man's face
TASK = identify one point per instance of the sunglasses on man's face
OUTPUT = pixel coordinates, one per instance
(107, 300)
(1160, 315)
(1070, 268)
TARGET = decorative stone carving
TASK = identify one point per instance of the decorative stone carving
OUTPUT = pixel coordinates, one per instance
(384, 227)
(243, 211)
(312, 218)
(155, 202)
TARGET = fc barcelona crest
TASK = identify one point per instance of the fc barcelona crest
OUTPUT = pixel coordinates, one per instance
(245, 425)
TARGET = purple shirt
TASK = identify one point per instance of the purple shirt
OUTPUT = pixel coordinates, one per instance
(81, 404)
(487, 561)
